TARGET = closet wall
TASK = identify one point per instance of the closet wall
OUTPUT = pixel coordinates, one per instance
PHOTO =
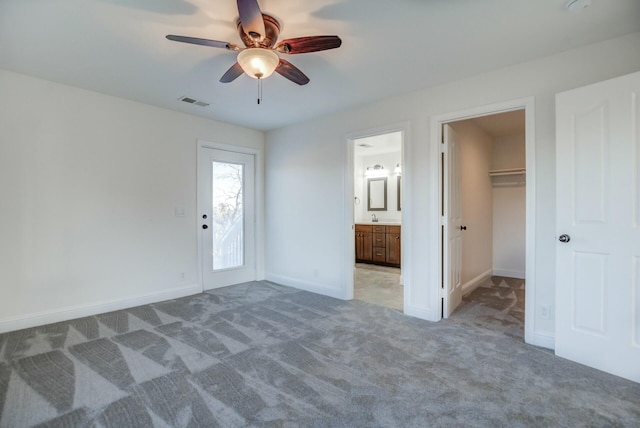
(509, 207)
(493, 207)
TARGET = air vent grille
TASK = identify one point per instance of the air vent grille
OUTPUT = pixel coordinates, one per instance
(193, 101)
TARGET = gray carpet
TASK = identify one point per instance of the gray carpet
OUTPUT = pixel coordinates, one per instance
(259, 354)
(497, 304)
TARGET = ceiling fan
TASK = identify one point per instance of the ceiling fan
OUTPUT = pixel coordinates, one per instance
(259, 59)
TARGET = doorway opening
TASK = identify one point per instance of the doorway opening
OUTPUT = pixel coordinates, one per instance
(486, 201)
(491, 174)
(377, 219)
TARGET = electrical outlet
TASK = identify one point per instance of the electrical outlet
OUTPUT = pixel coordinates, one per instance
(182, 275)
(316, 273)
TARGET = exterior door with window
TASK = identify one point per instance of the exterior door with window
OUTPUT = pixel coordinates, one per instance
(226, 217)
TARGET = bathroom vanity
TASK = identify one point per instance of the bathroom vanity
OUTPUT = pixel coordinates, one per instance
(378, 243)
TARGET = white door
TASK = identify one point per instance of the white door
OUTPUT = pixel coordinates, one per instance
(598, 226)
(452, 222)
(226, 217)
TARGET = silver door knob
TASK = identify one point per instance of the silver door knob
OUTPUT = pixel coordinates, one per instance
(564, 238)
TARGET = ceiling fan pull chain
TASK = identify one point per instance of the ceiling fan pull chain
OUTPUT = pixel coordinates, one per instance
(259, 90)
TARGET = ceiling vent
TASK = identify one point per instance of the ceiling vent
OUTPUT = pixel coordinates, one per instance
(193, 101)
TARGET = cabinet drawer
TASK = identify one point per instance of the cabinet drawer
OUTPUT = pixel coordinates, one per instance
(363, 228)
(379, 254)
(379, 229)
(393, 229)
(379, 240)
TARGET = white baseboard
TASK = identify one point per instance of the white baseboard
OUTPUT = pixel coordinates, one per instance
(420, 312)
(79, 311)
(472, 284)
(544, 340)
(509, 273)
(313, 287)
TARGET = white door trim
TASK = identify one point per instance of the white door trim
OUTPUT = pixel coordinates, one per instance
(528, 104)
(348, 191)
(259, 203)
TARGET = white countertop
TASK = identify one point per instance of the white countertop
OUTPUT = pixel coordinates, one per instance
(379, 223)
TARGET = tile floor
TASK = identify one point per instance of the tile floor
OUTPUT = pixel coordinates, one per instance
(379, 285)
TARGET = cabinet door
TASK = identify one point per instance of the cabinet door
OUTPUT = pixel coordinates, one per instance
(393, 248)
(364, 246)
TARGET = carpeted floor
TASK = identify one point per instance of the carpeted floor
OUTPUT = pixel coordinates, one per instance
(497, 303)
(259, 354)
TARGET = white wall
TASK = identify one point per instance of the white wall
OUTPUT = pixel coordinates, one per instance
(509, 219)
(389, 161)
(476, 197)
(88, 185)
(306, 183)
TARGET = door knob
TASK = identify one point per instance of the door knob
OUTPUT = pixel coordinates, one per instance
(564, 238)
(463, 227)
(204, 226)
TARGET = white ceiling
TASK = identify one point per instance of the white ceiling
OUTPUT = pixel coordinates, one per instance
(378, 144)
(502, 124)
(389, 47)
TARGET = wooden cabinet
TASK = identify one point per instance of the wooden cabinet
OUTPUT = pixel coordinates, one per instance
(364, 243)
(378, 244)
(393, 245)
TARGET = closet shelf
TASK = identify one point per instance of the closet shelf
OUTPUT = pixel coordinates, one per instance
(503, 172)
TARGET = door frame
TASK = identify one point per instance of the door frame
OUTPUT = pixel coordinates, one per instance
(349, 256)
(258, 203)
(436, 294)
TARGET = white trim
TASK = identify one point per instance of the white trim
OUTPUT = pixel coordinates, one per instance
(528, 104)
(545, 340)
(259, 203)
(420, 312)
(313, 287)
(348, 179)
(349, 256)
(473, 283)
(79, 311)
(510, 273)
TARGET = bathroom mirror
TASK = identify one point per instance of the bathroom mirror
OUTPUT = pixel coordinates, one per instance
(377, 194)
(398, 196)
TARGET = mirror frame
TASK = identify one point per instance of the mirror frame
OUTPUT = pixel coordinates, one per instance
(369, 180)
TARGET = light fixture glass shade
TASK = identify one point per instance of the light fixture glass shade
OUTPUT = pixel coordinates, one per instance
(375, 171)
(258, 63)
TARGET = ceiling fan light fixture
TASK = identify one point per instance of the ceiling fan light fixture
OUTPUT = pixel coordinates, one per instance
(258, 63)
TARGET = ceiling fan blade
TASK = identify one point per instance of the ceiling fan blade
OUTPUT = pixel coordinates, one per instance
(251, 19)
(300, 45)
(203, 42)
(232, 74)
(291, 72)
